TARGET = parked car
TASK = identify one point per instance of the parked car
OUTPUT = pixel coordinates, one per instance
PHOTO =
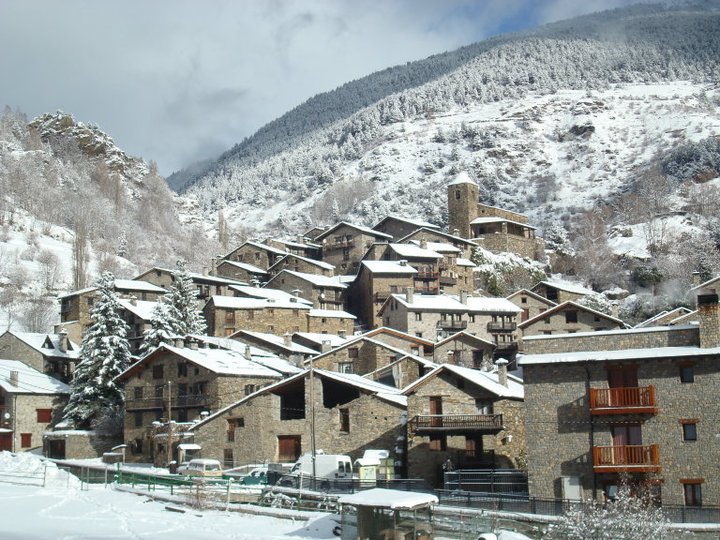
(238, 473)
(201, 467)
(327, 466)
(258, 476)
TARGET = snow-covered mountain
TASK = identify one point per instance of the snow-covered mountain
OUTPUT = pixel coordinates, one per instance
(549, 121)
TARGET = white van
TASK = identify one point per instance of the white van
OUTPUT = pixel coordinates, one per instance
(201, 467)
(330, 466)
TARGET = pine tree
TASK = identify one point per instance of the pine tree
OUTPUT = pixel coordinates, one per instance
(104, 354)
(160, 331)
(181, 301)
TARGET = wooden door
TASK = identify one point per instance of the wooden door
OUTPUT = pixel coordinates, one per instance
(6, 441)
(288, 448)
(436, 411)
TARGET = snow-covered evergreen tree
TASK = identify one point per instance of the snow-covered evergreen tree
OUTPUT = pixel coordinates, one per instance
(160, 331)
(183, 314)
(104, 354)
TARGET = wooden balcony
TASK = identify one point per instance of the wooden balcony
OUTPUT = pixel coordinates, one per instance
(427, 274)
(448, 280)
(639, 400)
(630, 458)
(457, 423)
(500, 326)
(452, 325)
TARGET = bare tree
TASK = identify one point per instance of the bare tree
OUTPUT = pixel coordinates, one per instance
(38, 314)
(81, 255)
(50, 269)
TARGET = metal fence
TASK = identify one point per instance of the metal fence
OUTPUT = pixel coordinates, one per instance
(487, 481)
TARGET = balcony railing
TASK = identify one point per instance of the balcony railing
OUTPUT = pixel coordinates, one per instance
(448, 280)
(459, 423)
(425, 274)
(629, 458)
(452, 325)
(194, 400)
(197, 400)
(499, 326)
(630, 400)
(381, 296)
(339, 245)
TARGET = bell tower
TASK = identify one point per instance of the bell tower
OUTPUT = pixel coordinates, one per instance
(462, 201)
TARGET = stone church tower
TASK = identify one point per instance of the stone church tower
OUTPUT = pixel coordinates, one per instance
(462, 200)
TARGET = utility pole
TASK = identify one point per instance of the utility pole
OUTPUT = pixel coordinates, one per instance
(169, 424)
(312, 418)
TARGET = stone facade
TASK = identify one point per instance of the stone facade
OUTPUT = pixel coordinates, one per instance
(464, 350)
(30, 415)
(561, 431)
(48, 359)
(330, 322)
(370, 290)
(256, 254)
(431, 235)
(530, 303)
(301, 264)
(646, 338)
(568, 318)
(344, 246)
(324, 294)
(360, 357)
(508, 240)
(244, 272)
(260, 317)
(76, 444)
(347, 421)
(401, 340)
(471, 448)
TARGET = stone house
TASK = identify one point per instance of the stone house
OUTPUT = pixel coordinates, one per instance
(267, 293)
(364, 355)
(75, 307)
(31, 402)
(401, 340)
(531, 304)
(440, 237)
(181, 383)
(569, 318)
(330, 321)
(398, 227)
(667, 317)
(301, 247)
(465, 350)
(324, 292)
(636, 403)
(560, 292)
(282, 346)
(402, 372)
(438, 316)
(240, 271)
(472, 417)
(275, 424)
(53, 354)
(297, 263)
(494, 229)
(206, 284)
(375, 282)
(455, 273)
(344, 245)
(425, 261)
(259, 255)
(225, 315)
(137, 314)
(319, 343)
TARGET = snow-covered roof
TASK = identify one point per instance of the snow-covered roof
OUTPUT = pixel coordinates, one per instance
(313, 337)
(29, 381)
(494, 219)
(257, 354)
(439, 247)
(236, 302)
(458, 239)
(244, 266)
(668, 315)
(400, 353)
(534, 295)
(276, 341)
(220, 361)
(465, 335)
(332, 313)
(198, 278)
(271, 249)
(389, 498)
(464, 262)
(360, 228)
(488, 380)
(314, 262)
(47, 344)
(137, 285)
(623, 354)
(569, 305)
(295, 244)
(565, 286)
(388, 267)
(319, 281)
(447, 303)
(416, 222)
(486, 304)
(411, 251)
(398, 334)
(463, 178)
(267, 293)
(612, 334)
(140, 308)
(706, 284)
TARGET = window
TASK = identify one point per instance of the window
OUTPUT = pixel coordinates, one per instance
(158, 391)
(228, 460)
(182, 369)
(693, 491)
(353, 352)
(44, 416)
(418, 334)
(689, 430)
(345, 420)
(484, 406)
(251, 314)
(457, 194)
(158, 371)
(138, 393)
(472, 317)
(25, 440)
(249, 389)
(547, 320)
(523, 299)
(229, 317)
(571, 317)
(418, 316)
(438, 443)
(138, 419)
(687, 374)
(345, 367)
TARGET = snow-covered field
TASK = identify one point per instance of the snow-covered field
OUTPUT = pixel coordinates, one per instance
(63, 510)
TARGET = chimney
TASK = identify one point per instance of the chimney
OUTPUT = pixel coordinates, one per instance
(133, 300)
(213, 265)
(325, 346)
(456, 232)
(296, 293)
(709, 320)
(300, 239)
(247, 353)
(463, 297)
(193, 344)
(205, 271)
(63, 342)
(180, 343)
(409, 294)
(502, 364)
(14, 377)
(402, 262)
(342, 334)
(288, 340)
(423, 243)
(695, 279)
(615, 310)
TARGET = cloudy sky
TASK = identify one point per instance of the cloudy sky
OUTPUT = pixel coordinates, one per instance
(180, 80)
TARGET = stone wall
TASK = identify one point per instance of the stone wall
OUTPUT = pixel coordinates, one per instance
(613, 340)
(25, 417)
(561, 432)
(462, 201)
(557, 323)
(323, 324)
(12, 348)
(274, 320)
(321, 297)
(531, 306)
(82, 444)
(364, 355)
(345, 254)
(296, 264)
(503, 242)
